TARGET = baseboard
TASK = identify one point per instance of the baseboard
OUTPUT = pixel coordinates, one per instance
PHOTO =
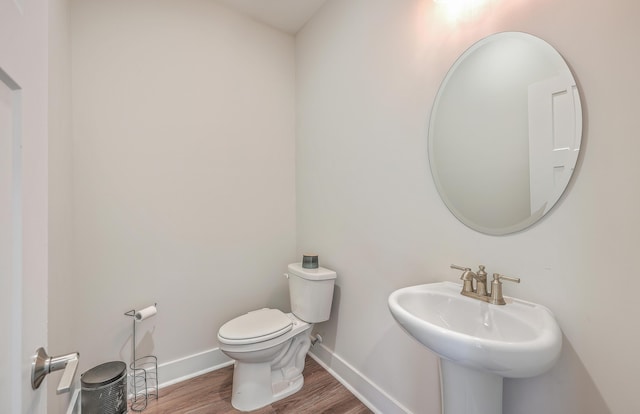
(182, 369)
(362, 387)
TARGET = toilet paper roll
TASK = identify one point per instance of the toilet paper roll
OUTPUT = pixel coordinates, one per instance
(146, 313)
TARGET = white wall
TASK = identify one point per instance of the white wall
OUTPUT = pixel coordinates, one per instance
(183, 172)
(368, 71)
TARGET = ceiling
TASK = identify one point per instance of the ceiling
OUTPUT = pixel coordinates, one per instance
(286, 15)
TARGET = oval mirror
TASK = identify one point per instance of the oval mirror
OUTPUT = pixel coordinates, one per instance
(505, 133)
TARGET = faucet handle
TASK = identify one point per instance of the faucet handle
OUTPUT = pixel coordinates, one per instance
(467, 274)
(496, 288)
(499, 277)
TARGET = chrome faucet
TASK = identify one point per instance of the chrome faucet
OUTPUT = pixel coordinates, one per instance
(480, 290)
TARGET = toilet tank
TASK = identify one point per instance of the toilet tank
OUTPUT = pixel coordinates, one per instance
(311, 292)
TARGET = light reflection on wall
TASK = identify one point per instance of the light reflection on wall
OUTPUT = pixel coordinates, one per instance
(461, 10)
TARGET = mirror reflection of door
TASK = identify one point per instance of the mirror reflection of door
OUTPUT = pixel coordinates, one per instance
(553, 104)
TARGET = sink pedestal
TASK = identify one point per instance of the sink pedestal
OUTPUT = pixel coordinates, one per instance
(469, 391)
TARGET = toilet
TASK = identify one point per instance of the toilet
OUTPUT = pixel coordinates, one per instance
(269, 346)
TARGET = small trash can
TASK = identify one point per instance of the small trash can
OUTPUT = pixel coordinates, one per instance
(104, 389)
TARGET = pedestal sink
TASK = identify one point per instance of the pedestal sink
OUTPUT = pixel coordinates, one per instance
(478, 343)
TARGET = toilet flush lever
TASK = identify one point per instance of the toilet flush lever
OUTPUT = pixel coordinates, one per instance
(44, 364)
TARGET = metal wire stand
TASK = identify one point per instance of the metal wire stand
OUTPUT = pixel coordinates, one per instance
(144, 374)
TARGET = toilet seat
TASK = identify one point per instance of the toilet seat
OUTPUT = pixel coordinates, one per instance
(253, 327)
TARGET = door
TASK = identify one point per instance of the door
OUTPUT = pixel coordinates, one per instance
(10, 248)
(23, 200)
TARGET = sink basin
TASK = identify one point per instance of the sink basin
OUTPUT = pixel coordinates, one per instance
(475, 339)
(519, 339)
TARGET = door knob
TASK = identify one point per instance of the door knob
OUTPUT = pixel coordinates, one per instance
(43, 364)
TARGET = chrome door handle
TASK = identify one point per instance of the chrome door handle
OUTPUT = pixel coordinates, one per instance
(43, 364)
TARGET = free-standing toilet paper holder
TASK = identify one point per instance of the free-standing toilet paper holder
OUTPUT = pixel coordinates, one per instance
(144, 370)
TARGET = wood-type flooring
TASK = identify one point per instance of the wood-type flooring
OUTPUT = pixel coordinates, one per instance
(211, 394)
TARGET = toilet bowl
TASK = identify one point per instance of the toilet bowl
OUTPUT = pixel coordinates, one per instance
(267, 368)
(269, 346)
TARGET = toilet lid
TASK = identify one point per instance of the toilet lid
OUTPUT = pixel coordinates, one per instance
(256, 326)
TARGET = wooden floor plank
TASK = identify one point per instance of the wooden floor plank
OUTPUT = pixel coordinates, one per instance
(211, 394)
